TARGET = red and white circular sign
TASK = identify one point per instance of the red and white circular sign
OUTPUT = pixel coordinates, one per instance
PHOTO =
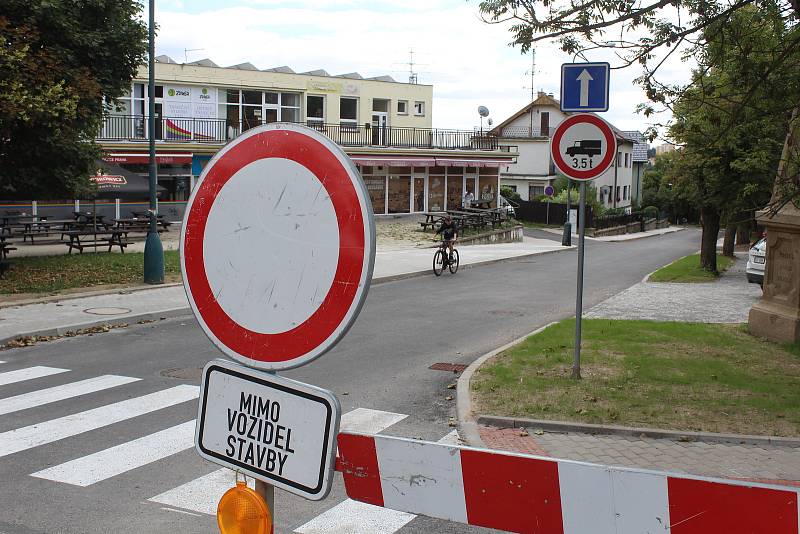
(278, 246)
(583, 146)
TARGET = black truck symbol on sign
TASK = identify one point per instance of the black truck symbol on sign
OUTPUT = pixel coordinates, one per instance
(590, 147)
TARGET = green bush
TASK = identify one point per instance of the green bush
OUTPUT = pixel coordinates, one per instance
(650, 212)
(509, 193)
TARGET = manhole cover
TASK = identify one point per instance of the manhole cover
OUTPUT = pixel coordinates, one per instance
(107, 311)
(189, 373)
(452, 367)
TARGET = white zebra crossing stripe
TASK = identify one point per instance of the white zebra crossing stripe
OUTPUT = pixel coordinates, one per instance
(63, 392)
(29, 373)
(24, 438)
(353, 517)
(369, 421)
(105, 464)
(203, 494)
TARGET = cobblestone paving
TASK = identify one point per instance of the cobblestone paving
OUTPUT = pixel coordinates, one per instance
(765, 463)
(728, 300)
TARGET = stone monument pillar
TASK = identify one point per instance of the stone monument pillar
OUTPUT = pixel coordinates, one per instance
(777, 315)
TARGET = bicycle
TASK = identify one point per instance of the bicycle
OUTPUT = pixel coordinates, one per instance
(442, 260)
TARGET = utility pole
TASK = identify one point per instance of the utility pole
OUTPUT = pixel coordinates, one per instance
(153, 249)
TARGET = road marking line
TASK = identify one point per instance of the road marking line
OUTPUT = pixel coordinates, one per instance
(63, 392)
(353, 517)
(179, 511)
(28, 373)
(202, 494)
(27, 437)
(369, 421)
(114, 461)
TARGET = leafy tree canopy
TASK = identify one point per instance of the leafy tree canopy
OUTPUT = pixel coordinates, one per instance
(58, 60)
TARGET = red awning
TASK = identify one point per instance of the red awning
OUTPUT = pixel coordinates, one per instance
(481, 162)
(394, 161)
(163, 158)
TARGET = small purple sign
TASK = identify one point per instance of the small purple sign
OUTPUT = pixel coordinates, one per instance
(549, 190)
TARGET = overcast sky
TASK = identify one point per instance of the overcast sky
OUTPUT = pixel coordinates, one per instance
(468, 62)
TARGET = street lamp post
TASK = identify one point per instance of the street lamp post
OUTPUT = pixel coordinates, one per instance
(153, 249)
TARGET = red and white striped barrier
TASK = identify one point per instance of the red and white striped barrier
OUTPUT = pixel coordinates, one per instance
(528, 494)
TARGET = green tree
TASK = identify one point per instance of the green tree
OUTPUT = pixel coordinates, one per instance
(648, 33)
(58, 60)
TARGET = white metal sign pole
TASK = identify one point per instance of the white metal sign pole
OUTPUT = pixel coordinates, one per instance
(576, 364)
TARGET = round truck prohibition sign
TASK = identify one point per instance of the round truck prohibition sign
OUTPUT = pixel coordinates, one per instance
(583, 146)
(278, 246)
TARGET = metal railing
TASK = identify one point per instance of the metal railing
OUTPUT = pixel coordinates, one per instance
(525, 132)
(219, 131)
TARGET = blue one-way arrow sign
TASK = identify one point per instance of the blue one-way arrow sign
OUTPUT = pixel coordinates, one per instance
(584, 86)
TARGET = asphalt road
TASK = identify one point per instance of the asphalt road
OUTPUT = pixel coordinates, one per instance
(382, 364)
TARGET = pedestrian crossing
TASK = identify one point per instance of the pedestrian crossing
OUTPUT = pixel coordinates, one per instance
(199, 495)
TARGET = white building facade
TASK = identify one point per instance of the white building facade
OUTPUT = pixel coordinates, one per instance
(529, 131)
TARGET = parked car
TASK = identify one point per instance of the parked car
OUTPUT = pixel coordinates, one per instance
(756, 261)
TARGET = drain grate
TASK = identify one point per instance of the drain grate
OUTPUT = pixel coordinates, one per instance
(452, 367)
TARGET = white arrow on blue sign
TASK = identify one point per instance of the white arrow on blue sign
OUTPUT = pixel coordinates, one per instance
(584, 86)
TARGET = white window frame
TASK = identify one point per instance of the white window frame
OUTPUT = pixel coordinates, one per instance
(316, 120)
(421, 105)
(353, 123)
(405, 103)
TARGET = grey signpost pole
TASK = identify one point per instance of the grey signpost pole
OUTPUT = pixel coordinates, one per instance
(576, 364)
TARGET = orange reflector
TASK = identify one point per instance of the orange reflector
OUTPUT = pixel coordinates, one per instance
(243, 511)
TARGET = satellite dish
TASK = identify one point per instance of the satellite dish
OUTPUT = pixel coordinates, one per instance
(491, 122)
(483, 111)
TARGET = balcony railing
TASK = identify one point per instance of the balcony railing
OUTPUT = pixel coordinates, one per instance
(220, 131)
(525, 132)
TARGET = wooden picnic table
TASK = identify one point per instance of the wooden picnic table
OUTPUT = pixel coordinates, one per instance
(432, 218)
(133, 224)
(111, 238)
(5, 248)
(33, 229)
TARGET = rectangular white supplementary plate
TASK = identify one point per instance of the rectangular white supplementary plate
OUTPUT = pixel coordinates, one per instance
(272, 428)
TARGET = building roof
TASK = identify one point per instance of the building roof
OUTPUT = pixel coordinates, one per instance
(545, 99)
(640, 145)
(282, 69)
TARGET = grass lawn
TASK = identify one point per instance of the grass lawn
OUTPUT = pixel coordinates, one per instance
(49, 274)
(687, 269)
(680, 376)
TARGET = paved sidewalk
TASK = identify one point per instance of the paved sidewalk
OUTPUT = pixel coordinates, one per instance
(55, 318)
(751, 462)
(727, 300)
(623, 237)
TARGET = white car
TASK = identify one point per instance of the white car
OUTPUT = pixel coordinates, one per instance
(756, 260)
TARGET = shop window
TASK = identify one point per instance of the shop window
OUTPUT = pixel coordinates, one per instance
(348, 111)
(402, 107)
(399, 194)
(290, 107)
(455, 186)
(436, 193)
(251, 97)
(419, 108)
(376, 185)
(315, 109)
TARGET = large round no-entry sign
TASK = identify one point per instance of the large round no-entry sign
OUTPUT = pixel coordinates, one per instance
(278, 246)
(583, 146)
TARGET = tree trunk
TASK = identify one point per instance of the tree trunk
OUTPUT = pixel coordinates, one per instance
(743, 232)
(708, 242)
(728, 243)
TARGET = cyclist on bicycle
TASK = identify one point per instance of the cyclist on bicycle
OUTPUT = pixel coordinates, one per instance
(449, 233)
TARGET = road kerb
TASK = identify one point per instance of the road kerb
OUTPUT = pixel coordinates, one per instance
(467, 424)
(564, 427)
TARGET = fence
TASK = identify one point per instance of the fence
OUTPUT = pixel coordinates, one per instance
(617, 220)
(547, 212)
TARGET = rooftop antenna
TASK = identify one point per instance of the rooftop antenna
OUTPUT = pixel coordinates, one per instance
(412, 76)
(186, 53)
(532, 72)
(483, 111)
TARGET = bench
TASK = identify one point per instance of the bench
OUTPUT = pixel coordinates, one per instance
(5, 249)
(96, 239)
